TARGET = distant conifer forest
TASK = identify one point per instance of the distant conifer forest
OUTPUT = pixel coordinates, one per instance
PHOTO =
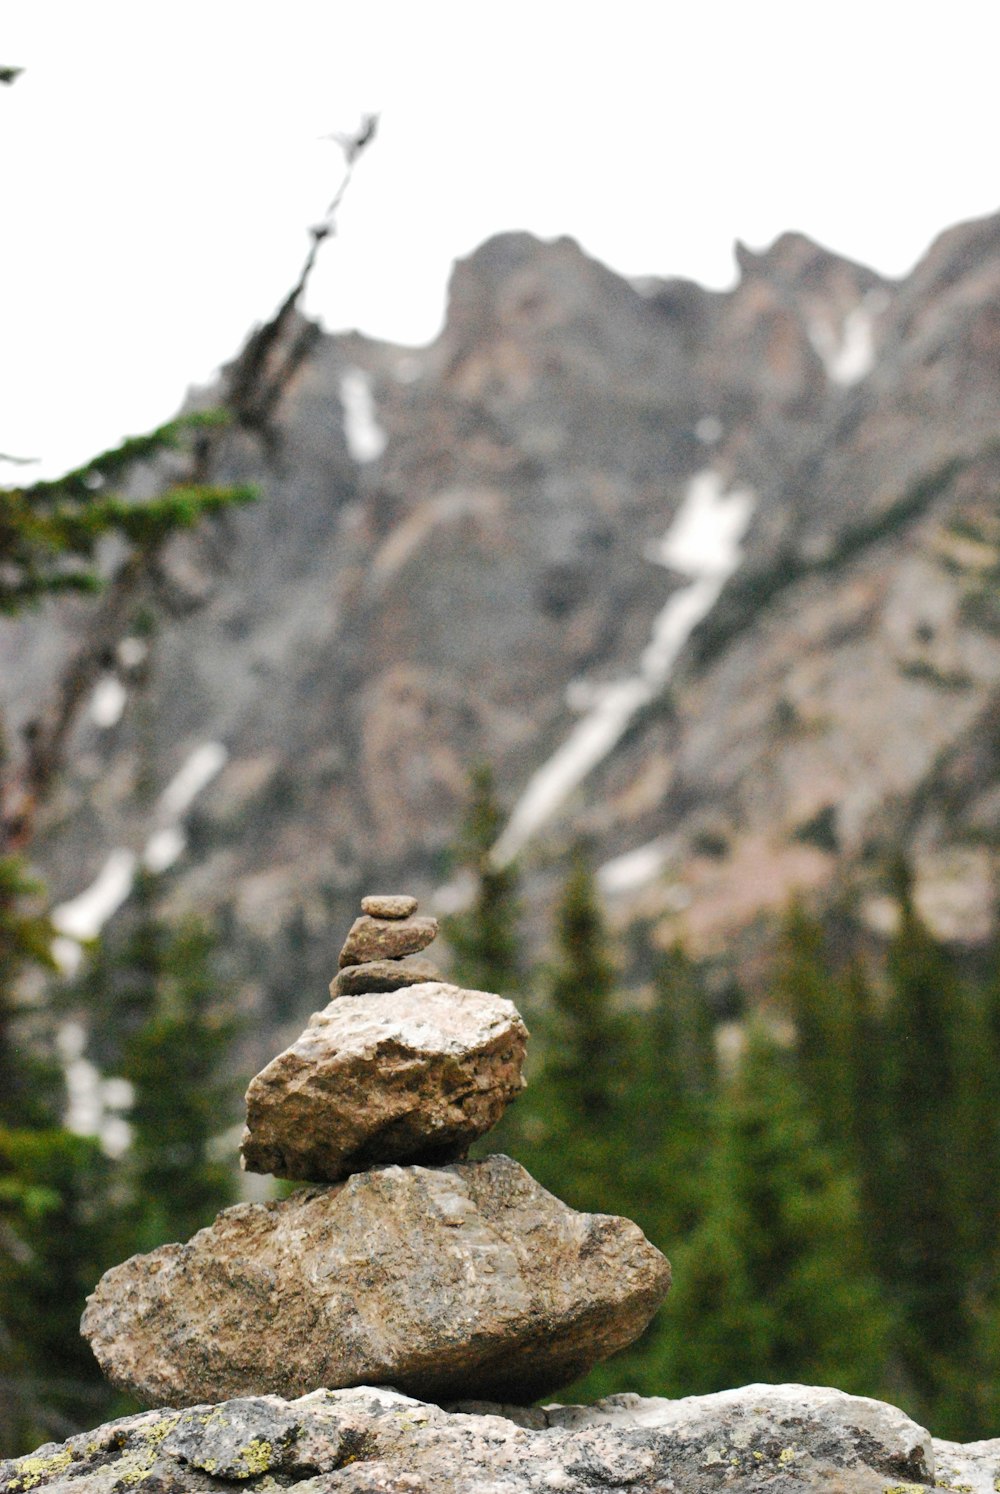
(819, 1158)
(822, 1167)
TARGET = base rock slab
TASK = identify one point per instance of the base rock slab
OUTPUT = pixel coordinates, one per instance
(414, 1075)
(763, 1439)
(467, 1281)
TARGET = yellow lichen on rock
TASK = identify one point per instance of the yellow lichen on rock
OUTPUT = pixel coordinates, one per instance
(32, 1470)
(257, 1456)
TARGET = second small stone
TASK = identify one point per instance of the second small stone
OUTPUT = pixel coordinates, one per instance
(386, 939)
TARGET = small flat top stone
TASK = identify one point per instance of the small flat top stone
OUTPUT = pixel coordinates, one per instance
(386, 939)
(389, 905)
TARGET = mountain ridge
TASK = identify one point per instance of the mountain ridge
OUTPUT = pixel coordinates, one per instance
(460, 547)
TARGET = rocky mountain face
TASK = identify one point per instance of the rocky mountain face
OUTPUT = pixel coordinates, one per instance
(711, 578)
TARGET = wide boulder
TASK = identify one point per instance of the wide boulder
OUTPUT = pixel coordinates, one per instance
(413, 1075)
(763, 1439)
(466, 1281)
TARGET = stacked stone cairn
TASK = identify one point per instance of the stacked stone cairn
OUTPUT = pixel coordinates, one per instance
(403, 1265)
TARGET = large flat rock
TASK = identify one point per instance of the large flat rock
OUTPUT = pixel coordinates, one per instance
(763, 1439)
(413, 1075)
(447, 1283)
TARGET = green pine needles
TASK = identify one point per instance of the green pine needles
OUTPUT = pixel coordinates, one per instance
(67, 1211)
(50, 531)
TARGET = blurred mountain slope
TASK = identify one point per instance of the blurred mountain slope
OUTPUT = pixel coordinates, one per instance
(460, 549)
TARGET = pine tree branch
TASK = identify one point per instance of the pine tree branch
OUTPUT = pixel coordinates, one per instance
(46, 735)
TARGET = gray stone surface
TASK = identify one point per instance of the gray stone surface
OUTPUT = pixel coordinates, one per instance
(382, 975)
(386, 939)
(968, 1467)
(405, 1076)
(389, 905)
(463, 1281)
(762, 1439)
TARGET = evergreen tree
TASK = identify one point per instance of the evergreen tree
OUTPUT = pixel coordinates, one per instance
(682, 1031)
(57, 1217)
(59, 1230)
(117, 986)
(671, 1063)
(815, 1000)
(927, 1261)
(839, 1060)
(985, 1184)
(587, 1033)
(31, 1088)
(573, 1119)
(184, 1097)
(604, 1122)
(980, 1399)
(772, 1285)
(484, 938)
(50, 531)
(654, 1144)
(58, 1211)
(864, 1095)
(906, 1094)
(980, 1126)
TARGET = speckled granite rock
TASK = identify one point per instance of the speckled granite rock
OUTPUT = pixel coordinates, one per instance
(406, 1076)
(764, 1439)
(454, 1282)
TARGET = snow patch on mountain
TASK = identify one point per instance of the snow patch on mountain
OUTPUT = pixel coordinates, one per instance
(108, 701)
(132, 652)
(204, 763)
(83, 917)
(702, 543)
(850, 356)
(633, 869)
(94, 1104)
(366, 440)
(164, 848)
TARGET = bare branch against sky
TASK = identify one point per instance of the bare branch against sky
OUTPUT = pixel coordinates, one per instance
(655, 137)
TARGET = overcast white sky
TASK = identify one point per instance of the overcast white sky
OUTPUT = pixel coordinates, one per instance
(160, 162)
